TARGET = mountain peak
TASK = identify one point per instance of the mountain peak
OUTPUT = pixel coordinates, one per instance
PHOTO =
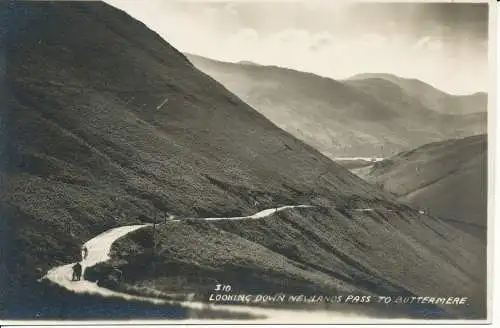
(248, 62)
(386, 76)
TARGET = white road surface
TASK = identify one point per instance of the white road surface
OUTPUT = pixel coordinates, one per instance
(98, 251)
(368, 159)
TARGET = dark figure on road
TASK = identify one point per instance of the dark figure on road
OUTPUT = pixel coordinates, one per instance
(85, 252)
(77, 272)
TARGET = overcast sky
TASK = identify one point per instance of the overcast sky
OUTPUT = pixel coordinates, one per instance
(442, 44)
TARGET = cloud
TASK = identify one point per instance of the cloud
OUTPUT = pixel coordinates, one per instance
(248, 35)
(321, 41)
(307, 38)
(430, 44)
(422, 42)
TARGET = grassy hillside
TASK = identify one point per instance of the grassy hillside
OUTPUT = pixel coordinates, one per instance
(106, 124)
(362, 117)
(447, 178)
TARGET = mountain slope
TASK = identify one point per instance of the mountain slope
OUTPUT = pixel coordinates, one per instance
(447, 178)
(429, 96)
(342, 118)
(106, 124)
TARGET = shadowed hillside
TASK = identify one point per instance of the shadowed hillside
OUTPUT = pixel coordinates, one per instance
(106, 124)
(362, 117)
(447, 178)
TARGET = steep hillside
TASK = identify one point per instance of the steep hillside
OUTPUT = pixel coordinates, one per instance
(447, 178)
(371, 117)
(106, 124)
(427, 95)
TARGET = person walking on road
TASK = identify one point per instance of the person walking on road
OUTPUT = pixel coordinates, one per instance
(77, 272)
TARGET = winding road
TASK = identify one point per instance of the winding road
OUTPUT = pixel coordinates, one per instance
(98, 251)
(99, 248)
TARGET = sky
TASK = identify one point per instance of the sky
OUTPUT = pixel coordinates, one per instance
(444, 44)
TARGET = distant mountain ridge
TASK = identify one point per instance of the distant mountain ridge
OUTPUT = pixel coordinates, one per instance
(247, 62)
(371, 117)
(431, 97)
